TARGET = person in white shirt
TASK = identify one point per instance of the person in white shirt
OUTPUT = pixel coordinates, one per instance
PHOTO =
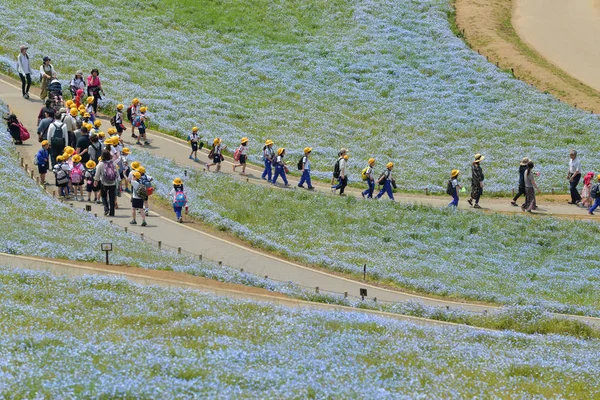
(194, 139)
(46, 73)
(455, 187)
(24, 70)
(268, 157)
(368, 194)
(243, 151)
(386, 180)
(137, 204)
(305, 164)
(280, 168)
(58, 135)
(215, 154)
(574, 176)
(343, 177)
(77, 83)
(133, 111)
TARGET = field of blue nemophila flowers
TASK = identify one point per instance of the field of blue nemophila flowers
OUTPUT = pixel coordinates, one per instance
(96, 337)
(495, 258)
(385, 78)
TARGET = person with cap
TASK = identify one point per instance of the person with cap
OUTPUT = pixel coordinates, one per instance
(77, 83)
(24, 70)
(61, 173)
(119, 119)
(89, 109)
(215, 154)
(369, 176)
(476, 181)
(453, 188)
(42, 159)
(280, 167)
(179, 198)
(107, 176)
(595, 191)
(58, 137)
(522, 169)
(77, 176)
(125, 169)
(194, 139)
(530, 188)
(95, 88)
(586, 191)
(132, 112)
(242, 154)
(142, 119)
(138, 191)
(134, 166)
(304, 166)
(95, 148)
(46, 73)
(268, 156)
(146, 180)
(386, 181)
(90, 172)
(341, 171)
(574, 176)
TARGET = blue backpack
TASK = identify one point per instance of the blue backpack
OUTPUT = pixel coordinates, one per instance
(180, 199)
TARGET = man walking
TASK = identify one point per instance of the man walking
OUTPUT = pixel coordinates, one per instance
(57, 136)
(574, 176)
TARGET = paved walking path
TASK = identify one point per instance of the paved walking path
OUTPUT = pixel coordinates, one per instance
(193, 240)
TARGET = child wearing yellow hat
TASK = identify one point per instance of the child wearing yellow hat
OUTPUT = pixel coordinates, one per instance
(304, 166)
(138, 196)
(42, 159)
(77, 173)
(90, 173)
(453, 187)
(216, 154)
(268, 156)
(241, 155)
(367, 175)
(61, 173)
(195, 142)
(132, 112)
(140, 122)
(280, 168)
(386, 180)
(124, 170)
(179, 198)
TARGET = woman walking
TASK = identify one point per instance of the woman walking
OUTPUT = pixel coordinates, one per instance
(522, 169)
(530, 188)
(95, 88)
(24, 70)
(46, 72)
(476, 181)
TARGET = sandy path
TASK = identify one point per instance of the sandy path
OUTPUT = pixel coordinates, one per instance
(566, 33)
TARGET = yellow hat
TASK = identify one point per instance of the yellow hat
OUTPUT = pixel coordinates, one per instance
(108, 142)
(111, 131)
(97, 123)
(120, 107)
(74, 112)
(59, 158)
(141, 169)
(135, 101)
(86, 115)
(101, 134)
(135, 164)
(195, 129)
(307, 150)
(478, 157)
(137, 175)
(598, 177)
(90, 164)
(216, 141)
(81, 108)
(69, 103)
(76, 158)
(115, 140)
(89, 126)
(454, 173)
(69, 150)
(389, 165)
(371, 161)
(280, 151)
(346, 156)
(244, 140)
(90, 99)
(177, 181)
(125, 150)
(268, 142)
(44, 142)
(143, 109)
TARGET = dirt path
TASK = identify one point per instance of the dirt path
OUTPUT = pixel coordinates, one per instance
(488, 29)
(566, 33)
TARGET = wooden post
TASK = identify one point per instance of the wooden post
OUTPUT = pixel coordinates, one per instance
(26, 167)
(345, 295)
(200, 257)
(426, 192)
(317, 290)
(22, 162)
(142, 236)
(125, 229)
(220, 263)
(54, 193)
(159, 245)
(31, 174)
(375, 299)
(513, 191)
(179, 250)
(241, 269)
(266, 276)
(552, 190)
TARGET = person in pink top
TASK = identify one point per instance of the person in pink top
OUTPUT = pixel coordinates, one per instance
(95, 88)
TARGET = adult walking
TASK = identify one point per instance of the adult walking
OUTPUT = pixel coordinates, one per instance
(477, 179)
(574, 176)
(46, 73)
(24, 70)
(522, 169)
(77, 83)
(340, 171)
(57, 136)
(95, 88)
(106, 174)
(530, 188)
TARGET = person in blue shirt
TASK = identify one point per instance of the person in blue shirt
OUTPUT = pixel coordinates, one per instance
(305, 164)
(42, 158)
(386, 180)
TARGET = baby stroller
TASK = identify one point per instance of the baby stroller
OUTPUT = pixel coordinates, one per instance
(55, 94)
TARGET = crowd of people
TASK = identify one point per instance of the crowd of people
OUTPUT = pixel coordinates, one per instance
(80, 154)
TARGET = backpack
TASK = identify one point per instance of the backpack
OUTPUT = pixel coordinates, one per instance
(141, 192)
(23, 132)
(594, 191)
(77, 174)
(449, 188)
(363, 173)
(236, 155)
(382, 178)
(145, 181)
(180, 199)
(58, 142)
(113, 121)
(211, 153)
(137, 122)
(130, 113)
(35, 159)
(61, 175)
(300, 163)
(110, 172)
(336, 168)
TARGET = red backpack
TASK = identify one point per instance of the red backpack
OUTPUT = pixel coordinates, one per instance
(24, 133)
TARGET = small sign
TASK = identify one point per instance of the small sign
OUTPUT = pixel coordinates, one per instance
(363, 292)
(106, 246)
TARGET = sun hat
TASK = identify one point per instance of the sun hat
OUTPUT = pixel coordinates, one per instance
(79, 72)
(143, 109)
(90, 99)
(371, 161)
(343, 150)
(87, 115)
(120, 107)
(195, 129)
(389, 165)
(280, 151)
(135, 101)
(47, 59)
(307, 150)
(268, 142)
(454, 173)
(525, 161)
(97, 123)
(115, 140)
(177, 181)
(23, 47)
(216, 141)
(137, 175)
(112, 131)
(90, 164)
(69, 103)
(244, 140)
(141, 169)
(76, 158)
(125, 150)
(44, 142)
(59, 158)
(74, 112)
(63, 110)
(108, 142)
(69, 150)
(135, 164)
(478, 158)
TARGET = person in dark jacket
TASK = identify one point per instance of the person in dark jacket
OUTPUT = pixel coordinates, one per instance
(13, 128)
(522, 169)
(476, 181)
